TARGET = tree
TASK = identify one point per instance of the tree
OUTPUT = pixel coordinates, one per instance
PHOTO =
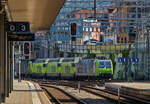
(112, 57)
(90, 55)
(71, 55)
(125, 54)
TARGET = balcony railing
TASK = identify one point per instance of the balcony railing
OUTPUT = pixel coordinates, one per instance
(92, 48)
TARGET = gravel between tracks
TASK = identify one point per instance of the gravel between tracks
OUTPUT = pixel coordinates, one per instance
(63, 98)
(85, 96)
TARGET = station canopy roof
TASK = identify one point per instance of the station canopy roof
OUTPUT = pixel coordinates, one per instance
(39, 13)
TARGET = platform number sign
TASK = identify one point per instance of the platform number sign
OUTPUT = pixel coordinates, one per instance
(18, 27)
(12, 28)
(19, 31)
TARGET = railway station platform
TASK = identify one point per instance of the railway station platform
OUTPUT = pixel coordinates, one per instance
(26, 92)
(136, 89)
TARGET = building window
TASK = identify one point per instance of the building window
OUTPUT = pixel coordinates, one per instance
(118, 39)
(121, 40)
(125, 40)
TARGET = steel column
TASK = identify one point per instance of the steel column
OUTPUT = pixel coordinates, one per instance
(2, 59)
(6, 60)
(12, 64)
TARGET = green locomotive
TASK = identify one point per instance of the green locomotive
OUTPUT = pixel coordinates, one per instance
(94, 68)
(68, 67)
(52, 66)
(71, 68)
(37, 69)
(104, 68)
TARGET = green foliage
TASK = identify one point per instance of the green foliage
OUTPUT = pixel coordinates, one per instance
(61, 54)
(90, 55)
(71, 55)
(125, 53)
(112, 57)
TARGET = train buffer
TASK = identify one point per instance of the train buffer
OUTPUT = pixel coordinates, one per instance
(27, 92)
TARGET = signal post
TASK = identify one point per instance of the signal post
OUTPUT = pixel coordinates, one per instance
(73, 35)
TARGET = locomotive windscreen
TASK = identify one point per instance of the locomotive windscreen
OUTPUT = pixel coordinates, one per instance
(108, 64)
(101, 64)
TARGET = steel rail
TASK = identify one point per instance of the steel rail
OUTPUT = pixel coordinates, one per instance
(51, 95)
(130, 98)
(63, 91)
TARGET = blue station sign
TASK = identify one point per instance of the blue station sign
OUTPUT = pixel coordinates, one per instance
(124, 60)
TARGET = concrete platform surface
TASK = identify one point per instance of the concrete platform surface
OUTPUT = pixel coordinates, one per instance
(135, 85)
(136, 89)
(26, 92)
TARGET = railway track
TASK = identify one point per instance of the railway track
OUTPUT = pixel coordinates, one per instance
(112, 96)
(59, 96)
(71, 83)
(109, 96)
(125, 99)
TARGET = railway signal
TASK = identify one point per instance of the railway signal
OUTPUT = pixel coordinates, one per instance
(73, 28)
(73, 31)
(26, 48)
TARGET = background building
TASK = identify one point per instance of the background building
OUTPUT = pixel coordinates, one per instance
(113, 22)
